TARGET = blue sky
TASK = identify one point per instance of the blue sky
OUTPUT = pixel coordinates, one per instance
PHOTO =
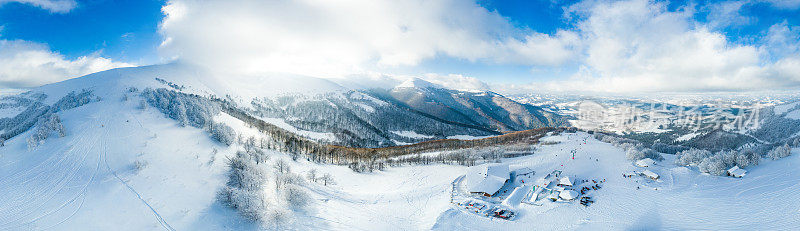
(124, 30)
(502, 40)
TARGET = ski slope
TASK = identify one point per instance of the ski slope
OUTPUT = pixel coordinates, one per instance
(767, 199)
(89, 179)
(86, 180)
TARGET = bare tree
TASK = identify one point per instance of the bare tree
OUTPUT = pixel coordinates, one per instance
(281, 166)
(312, 175)
(326, 179)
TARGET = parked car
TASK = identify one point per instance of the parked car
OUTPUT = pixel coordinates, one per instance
(504, 213)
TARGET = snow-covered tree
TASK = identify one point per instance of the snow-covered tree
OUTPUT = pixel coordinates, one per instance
(48, 124)
(714, 165)
(691, 157)
(281, 166)
(780, 152)
(312, 175)
(296, 197)
(244, 190)
(187, 109)
(222, 133)
(327, 179)
(638, 154)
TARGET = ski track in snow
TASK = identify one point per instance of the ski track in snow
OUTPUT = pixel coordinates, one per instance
(104, 152)
(52, 191)
(32, 189)
(49, 187)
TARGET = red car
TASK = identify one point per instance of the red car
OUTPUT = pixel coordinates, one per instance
(504, 213)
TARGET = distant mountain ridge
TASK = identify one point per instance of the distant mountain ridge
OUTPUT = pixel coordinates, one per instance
(478, 108)
(375, 117)
(378, 117)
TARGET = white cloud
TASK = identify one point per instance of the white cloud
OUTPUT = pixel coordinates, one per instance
(388, 81)
(616, 46)
(26, 64)
(336, 38)
(54, 6)
(782, 40)
(724, 14)
(456, 82)
(784, 4)
(639, 45)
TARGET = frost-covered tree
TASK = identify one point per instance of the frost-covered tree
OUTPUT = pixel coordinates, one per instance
(251, 204)
(296, 197)
(719, 162)
(244, 190)
(638, 154)
(327, 179)
(36, 110)
(244, 172)
(691, 157)
(222, 133)
(187, 109)
(312, 175)
(48, 124)
(281, 167)
(747, 157)
(249, 144)
(715, 165)
(780, 152)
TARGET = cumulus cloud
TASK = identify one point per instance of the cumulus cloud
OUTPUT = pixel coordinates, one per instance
(388, 81)
(26, 64)
(616, 46)
(456, 82)
(724, 14)
(639, 45)
(54, 6)
(336, 38)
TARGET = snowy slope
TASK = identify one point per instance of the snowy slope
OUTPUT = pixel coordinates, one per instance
(121, 167)
(766, 199)
(472, 108)
(87, 179)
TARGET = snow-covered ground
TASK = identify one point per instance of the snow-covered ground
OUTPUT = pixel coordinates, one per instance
(281, 123)
(124, 168)
(767, 198)
(412, 134)
(87, 180)
(467, 137)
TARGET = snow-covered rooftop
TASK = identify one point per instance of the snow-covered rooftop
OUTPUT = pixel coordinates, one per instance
(568, 195)
(523, 170)
(650, 174)
(487, 178)
(565, 181)
(737, 172)
(646, 162)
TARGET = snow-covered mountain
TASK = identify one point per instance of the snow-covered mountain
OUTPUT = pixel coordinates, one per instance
(143, 137)
(176, 147)
(378, 117)
(476, 108)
